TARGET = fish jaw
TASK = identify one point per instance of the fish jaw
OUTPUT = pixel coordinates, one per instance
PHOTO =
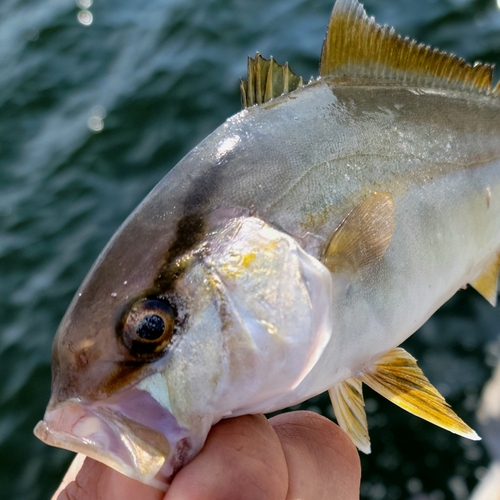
(131, 432)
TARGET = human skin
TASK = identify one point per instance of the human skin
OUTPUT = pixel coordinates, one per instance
(297, 455)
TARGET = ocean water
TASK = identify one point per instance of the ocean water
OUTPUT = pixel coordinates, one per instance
(98, 101)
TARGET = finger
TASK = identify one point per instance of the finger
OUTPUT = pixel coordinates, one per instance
(322, 461)
(242, 458)
(70, 475)
(91, 480)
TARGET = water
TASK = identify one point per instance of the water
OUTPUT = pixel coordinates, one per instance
(97, 103)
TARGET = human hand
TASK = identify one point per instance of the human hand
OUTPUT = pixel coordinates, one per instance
(296, 455)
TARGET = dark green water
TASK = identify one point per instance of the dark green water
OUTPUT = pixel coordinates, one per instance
(157, 77)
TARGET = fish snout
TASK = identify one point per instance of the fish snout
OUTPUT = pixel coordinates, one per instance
(132, 433)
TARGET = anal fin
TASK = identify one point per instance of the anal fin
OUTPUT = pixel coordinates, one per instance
(349, 407)
(397, 377)
(487, 282)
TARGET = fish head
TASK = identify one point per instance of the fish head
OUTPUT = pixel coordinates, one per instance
(97, 405)
(162, 341)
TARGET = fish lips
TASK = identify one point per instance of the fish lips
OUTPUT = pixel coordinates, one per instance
(130, 432)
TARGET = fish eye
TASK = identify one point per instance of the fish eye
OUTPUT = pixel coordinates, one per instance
(151, 327)
(148, 326)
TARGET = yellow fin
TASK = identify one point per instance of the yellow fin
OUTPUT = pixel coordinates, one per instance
(487, 282)
(266, 79)
(496, 90)
(363, 236)
(357, 47)
(349, 407)
(397, 377)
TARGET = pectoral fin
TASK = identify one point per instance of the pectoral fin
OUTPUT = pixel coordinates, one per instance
(397, 377)
(363, 237)
(349, 407)
(487, 282)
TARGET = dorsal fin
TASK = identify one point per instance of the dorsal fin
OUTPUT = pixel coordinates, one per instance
(266, 79)
(357, 47)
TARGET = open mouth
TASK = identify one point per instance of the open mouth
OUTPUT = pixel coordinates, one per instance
(130, 432)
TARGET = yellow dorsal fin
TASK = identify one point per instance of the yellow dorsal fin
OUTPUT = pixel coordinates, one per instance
(349, 407)
(487, 282)
(357, 47)
(266, 79)
(397, 377)
(363, 237)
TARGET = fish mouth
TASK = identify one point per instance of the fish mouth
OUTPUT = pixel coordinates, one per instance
(131, 432)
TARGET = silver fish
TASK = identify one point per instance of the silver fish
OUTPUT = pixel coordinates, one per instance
(288, 254)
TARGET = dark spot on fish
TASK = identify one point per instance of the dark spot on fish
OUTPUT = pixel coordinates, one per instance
(200, 199)
(189, 232)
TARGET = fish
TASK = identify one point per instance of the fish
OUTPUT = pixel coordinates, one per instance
(290, 253)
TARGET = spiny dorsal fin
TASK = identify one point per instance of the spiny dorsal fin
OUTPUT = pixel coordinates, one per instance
(487, 282)
(363, 237)
(266, 79)
(357, 47)
(349, 408)
(397, 377)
